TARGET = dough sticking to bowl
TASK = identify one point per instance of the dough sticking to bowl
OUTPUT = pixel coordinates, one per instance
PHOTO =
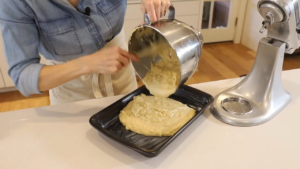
(163, 78)
(155, 116)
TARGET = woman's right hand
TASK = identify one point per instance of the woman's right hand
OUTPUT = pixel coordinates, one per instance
(107, 60)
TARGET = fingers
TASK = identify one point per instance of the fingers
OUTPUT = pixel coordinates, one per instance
(123, 60)
(116, 67)
(128, 55)
(167, 6)
(113, 66)
(151, 10)
(162, 8)
(118, 59)
(155, 8)
(143, 8)
(110, 60)
(133, 57)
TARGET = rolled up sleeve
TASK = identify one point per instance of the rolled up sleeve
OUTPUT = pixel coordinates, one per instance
(21, 40)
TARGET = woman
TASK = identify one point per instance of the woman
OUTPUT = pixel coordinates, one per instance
(78, 38)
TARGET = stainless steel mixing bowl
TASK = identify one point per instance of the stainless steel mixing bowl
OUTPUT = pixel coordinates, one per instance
(164, 38)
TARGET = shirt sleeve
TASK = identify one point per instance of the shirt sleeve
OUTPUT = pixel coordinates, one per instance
(21, 40)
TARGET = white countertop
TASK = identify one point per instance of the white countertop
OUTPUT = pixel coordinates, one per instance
(60, 137)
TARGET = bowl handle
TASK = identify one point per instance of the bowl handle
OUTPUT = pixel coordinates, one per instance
(171, 16)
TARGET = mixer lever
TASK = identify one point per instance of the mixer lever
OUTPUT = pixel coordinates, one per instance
(265, 26)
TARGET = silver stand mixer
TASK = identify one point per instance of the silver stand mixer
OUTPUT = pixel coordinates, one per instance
(260, 95)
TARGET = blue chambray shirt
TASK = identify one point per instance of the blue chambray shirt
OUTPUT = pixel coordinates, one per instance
(55, 29)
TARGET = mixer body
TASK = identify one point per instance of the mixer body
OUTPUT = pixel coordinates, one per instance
(260, 95)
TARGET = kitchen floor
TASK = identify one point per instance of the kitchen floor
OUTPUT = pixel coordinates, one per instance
(219, 61)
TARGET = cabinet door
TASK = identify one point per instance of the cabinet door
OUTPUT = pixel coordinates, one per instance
(4, 66)
(192, 20)
(2, 85)
(219, 19)
(133, 18)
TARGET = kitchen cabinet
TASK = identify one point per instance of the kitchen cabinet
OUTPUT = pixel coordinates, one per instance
(185, 11)
(253, 19)
(2, 85)
(220, 20)
(4, 66)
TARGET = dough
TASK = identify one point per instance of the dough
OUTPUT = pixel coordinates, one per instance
(158, 115)
(163, 78)
(155, 116)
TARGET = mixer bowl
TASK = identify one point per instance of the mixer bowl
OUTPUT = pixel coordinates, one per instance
(166, 39)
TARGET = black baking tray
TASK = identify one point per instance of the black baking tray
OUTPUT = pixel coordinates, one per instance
(107, 120)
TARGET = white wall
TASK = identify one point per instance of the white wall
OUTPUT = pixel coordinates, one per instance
(252, 25)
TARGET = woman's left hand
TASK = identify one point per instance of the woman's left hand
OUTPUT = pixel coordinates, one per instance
(155, 8)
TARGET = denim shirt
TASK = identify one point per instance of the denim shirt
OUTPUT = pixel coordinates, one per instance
(55, 29)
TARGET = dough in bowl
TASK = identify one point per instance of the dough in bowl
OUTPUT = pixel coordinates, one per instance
(163, 79)
(155, 116)
(164, 76)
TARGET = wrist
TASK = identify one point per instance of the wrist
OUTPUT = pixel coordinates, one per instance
(81, 66)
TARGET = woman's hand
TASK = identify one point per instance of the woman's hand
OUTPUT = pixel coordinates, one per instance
(107, 60)
(155, 8)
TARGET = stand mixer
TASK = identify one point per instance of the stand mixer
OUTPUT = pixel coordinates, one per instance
(260, 95)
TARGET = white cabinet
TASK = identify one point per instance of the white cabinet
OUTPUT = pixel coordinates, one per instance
(251, 35)
(187, 11)
(4, 66)
(191, 20)
(2, 85)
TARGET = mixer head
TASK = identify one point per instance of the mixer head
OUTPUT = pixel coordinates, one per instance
(281, 20)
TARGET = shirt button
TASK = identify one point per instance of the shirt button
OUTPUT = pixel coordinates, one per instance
(87, 19)
(99, 43)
